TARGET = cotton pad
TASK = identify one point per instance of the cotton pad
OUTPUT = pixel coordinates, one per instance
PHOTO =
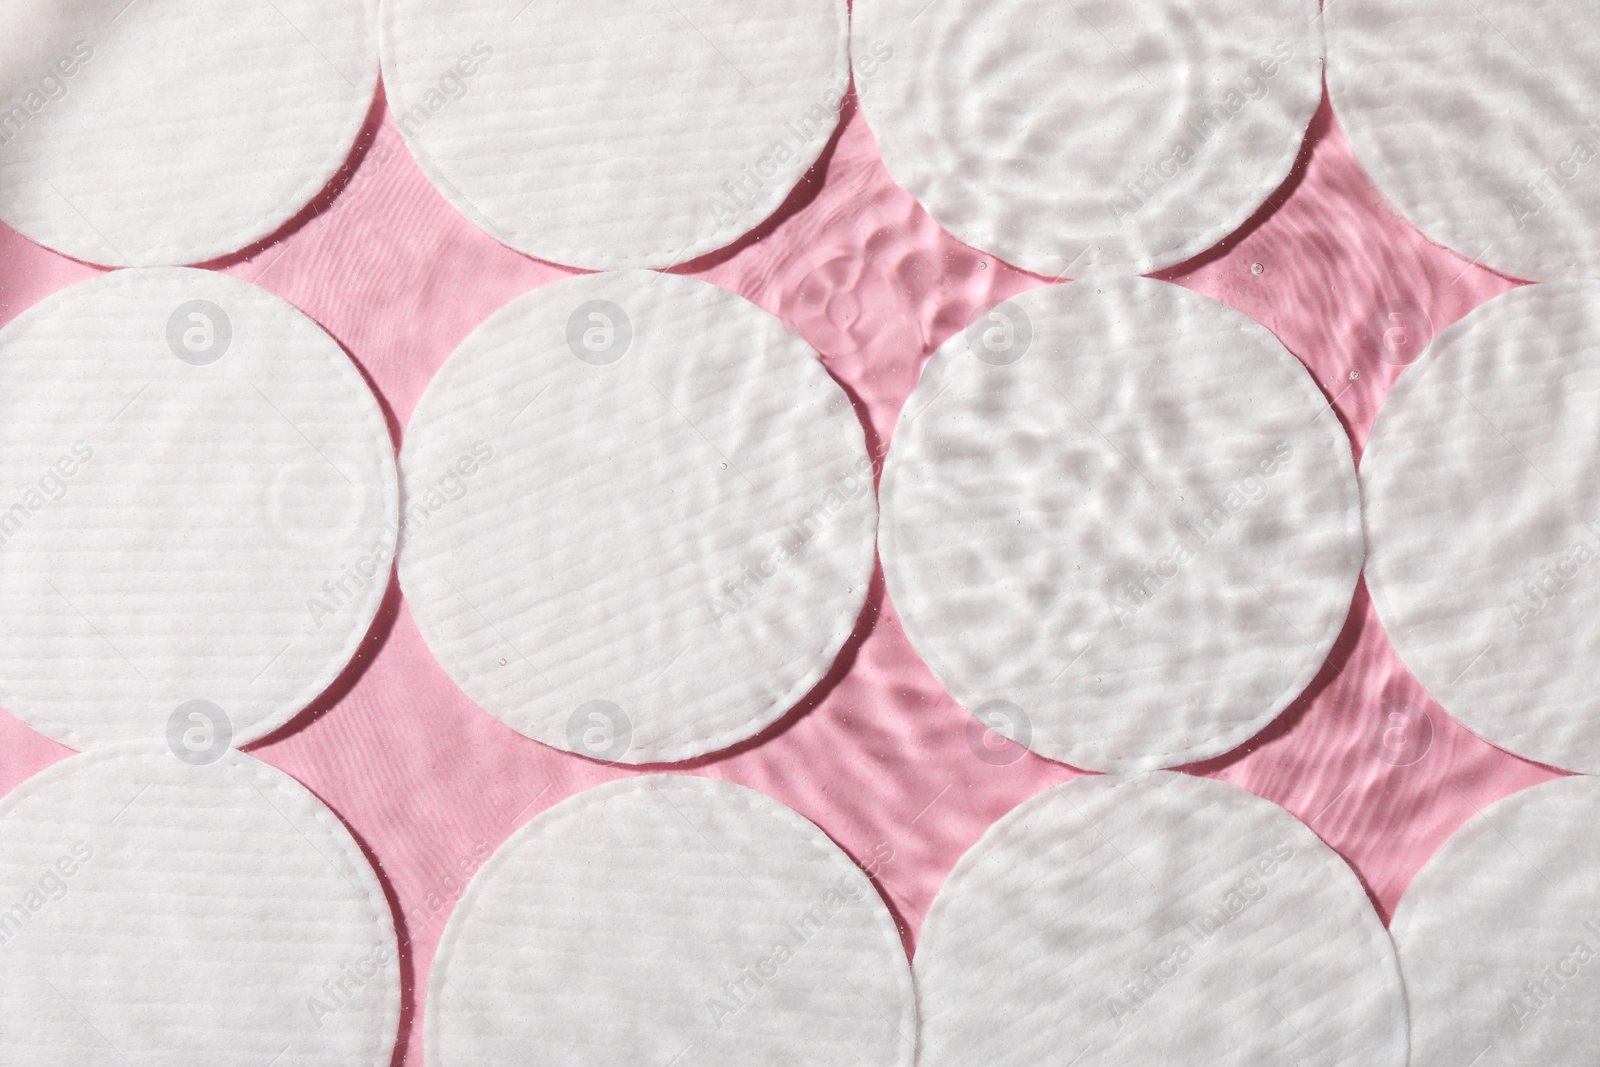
(1121, 518)
(1482, 481)
(152, 911)
(1095, 137)
(639, 517)
(1477, 121)
(666, 919)
(1498, 936)
(610, 133)
(1155, 919)
(175, 131)
(197, 504)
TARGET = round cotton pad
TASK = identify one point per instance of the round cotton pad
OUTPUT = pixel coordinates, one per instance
(1477, 121)
(1122, 517)
(609, 133)
(157, 912)
(1498, 935)
(175, 131)
(1482, 482)
(639, 517)
(197, 503)
(664, 919)
(1155, 919)
(1102, 136)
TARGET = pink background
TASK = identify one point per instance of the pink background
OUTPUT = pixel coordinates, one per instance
(878, 752)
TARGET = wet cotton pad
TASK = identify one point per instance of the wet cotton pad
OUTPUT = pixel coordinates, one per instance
(1120, 518)
(1482, 481)
(156, 911)
(613, 133)
(1499, 935)
(175, 131)
(1102, 136)
(639, 517)
(665, 919)
(197, 504)
(1152, 920)
(1477, 121)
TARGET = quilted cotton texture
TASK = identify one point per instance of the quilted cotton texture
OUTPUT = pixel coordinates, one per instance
(198, 502)
(1095, 137)
(152, 911)
(1499, 933)
(1157, 921)
(612, 133)
(666, 919)
(638, 517)
(1482, 481)
(175, 131)
(1120, 523)
(1477, 122)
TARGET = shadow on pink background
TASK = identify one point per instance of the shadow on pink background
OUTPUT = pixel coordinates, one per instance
(878, 752)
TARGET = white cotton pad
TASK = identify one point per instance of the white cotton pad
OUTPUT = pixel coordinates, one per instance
(197, 503)
(1477, 121)
(639, 517)
(157, 912)
(613, 133)
(1482, 482)
(1094, 137)
(670, 920)
(1155, 920)
(1499, 935)
(175, 131)
(1121, 517)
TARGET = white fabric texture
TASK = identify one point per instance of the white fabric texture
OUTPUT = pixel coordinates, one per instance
(1477, 122)
(200, 916)
(1499, 935)
(175, 131)
(1094, 137)
(670, 917)
(1482, 486)
(612, 133)
(1150, 921)
(639, 517)
(198, 501)
(1122, 515)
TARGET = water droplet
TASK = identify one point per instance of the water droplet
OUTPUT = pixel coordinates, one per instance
(1257, 268)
